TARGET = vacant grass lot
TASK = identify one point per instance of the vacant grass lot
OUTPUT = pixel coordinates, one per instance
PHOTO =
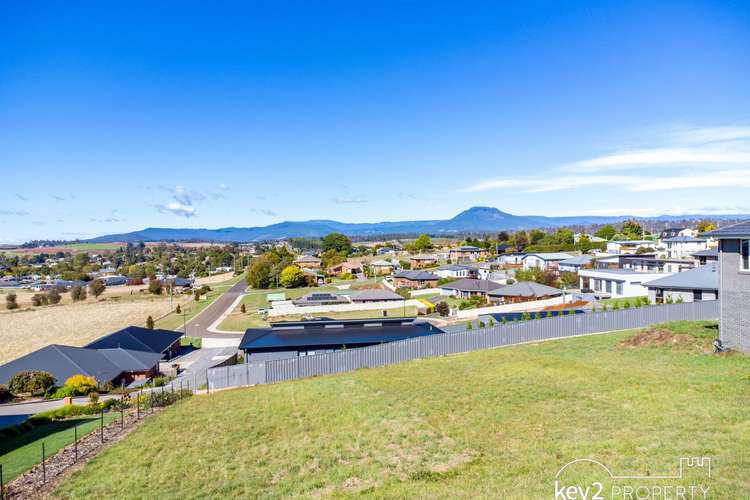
(491, 424)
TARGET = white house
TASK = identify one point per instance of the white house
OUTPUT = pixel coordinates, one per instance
(695, 285)
(455, 271)
(681, 247)
(511, 259)
(628, 246)
(616, 283)
(545, 261)
(574, 264)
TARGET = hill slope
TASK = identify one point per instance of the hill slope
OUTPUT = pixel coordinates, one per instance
(490, 424)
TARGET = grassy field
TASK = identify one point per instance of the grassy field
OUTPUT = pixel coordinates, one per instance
(490, 424)
(19, 454)
(191, 308)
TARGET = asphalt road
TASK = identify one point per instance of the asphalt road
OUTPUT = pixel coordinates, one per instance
(198, 326)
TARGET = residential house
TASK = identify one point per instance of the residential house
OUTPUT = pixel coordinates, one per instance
(511, 260)
(385, 251)
(308, 262)
(654, 265)
(695, 285)
(574, 264)
(734, 285)
(616, 283)
(415, 279)
(117, 366)
(466, 253)
(544, 261)
(166, 343)
(320, 299)
(628, 246)
(591, 237)
(522, 291)
(703, 257)
(422, 261)
(314, 276)
(306, 338)
(381, 267)
(617, 261)
(456, 271)
(376, 295)
(673, 232)
(468, 287)
(344, 267)
(680, 247)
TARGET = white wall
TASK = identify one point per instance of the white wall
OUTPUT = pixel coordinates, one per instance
(286, 309)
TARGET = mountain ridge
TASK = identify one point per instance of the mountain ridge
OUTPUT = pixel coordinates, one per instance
(474, 219)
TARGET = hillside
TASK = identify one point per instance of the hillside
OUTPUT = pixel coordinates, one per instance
(475, 219)
(492, 424)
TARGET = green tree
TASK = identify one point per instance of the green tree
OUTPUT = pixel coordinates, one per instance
(78, 293)
(53, 295)
(150, 323)
(155, 286)
(291, 277)
(33, 382)
(97, 288)
(584, 243)
(632, 229)
(337, 242)
(705, 226)
(259, 272)
(422, 243)
(178, 309)
(606, 232)
(11, 301)
(535, 236)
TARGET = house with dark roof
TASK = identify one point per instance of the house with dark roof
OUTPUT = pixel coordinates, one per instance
(468, 287)
(734, 285)
(695, 285)
(574, 264)
(415, 279)
(673, 232)
(456, 271)
(422, 261)
(376, 295)
(320, 299)
(703, 257)
(306, 338)
(117, 365)
(166, 343)
(308, 261)
(522, 291)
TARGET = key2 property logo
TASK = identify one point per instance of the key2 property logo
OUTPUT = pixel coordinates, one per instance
(690, 483)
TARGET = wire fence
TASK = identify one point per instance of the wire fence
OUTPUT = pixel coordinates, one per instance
(516, 332)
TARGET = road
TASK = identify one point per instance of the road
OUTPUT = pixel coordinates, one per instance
(198, 326)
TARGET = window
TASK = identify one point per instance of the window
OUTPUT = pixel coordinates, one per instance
(697, 295)
(745, 255)
(619, 288)
(609, 286)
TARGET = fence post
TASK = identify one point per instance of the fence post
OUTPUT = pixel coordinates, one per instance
(101, 425)
(122, 414)
(2, 484)
(44, 466)
(75, 441)
(138, 404)
(208, 391)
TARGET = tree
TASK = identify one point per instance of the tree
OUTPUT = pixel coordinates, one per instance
(442, 308)
(705, 226)
(291, 277)
(150, 323)
(422, 243)
(155, 286)
(337, 242)
(39, 299)
(535, 236)
(33, 382)
(584, 243)
(97, 288)
(243, 309)
(259, 272)
(78, 293)
(53, 296)
(80, 385)
(632, 229)
(10, 301)
(606, 232)
(520, 240)
(178, 309)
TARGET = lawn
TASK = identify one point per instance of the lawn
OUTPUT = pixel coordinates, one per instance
(490, 424)
(19, 454)
(620, 302)
(191, 308)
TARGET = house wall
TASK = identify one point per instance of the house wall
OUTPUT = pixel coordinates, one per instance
(734, 287)
(687, 295)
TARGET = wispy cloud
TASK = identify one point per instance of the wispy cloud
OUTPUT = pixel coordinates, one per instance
(19, 213)
(37, 222)
(20, 197)
(58, 198)
(177, 208)
(223, 187)
(264, 211)
(348, 200)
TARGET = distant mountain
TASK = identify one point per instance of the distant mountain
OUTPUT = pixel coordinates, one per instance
(475, 219)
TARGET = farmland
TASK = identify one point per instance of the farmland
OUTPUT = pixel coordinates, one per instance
(492, 424)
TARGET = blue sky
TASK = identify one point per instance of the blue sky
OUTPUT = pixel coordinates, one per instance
(213, 114)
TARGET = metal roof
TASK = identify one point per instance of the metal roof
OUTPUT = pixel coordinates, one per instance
(417, 275)
(375, 295)
(290, 336)
(65, 361)
(382, 263)
(699, 278)
(739, 230)
(580, 260)
(471, 285)
(708, 252)
(684, 239)
(550, 255)
(454, 267)
(137, 339)
(526, 289)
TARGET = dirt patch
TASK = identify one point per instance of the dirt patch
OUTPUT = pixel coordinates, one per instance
(658, 337)
(571, 305)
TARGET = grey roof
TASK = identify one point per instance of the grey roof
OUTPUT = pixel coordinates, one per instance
(137, 339)
(314, 298)
(580, 260)
(307, 258)
(382, 263)
(454, 267)
(550, 255)
(375, 295)
(685, 239)
(708, 252)
(423, 257)
(64, 361)
(699, 278)
(526, 289)
(471, 285)
(416, 275)
(739, 230)
(467, 248)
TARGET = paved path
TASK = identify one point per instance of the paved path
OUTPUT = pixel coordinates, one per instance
(199, 325)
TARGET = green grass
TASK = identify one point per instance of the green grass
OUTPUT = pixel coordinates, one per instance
(488, 424)
(192, 308)
(195, 342)
(88, 247)
(620, 302)
(19, 454)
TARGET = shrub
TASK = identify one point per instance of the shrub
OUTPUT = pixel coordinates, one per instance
(93, 397)
(243, 309)
(616, 306)
(97, 288)
(159, 381)
(81, 385)
(481, 324)
(626, 305)
(78, 293)
(197, 295)
(469, 326)
(679, 300)
(62, 392)
(10, 301)
(604, 308)
(39, 299)
(178, 309)
(491, 323)
(150, 323)
(155, 287)
(503, 320)
(33, 382)
(537, 315)
(53, 296)
(5, 394)
(442, 308)
(525, 316)
(669, 300)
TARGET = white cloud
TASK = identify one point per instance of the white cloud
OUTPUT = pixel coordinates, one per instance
(177, 208)
(347, 200)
